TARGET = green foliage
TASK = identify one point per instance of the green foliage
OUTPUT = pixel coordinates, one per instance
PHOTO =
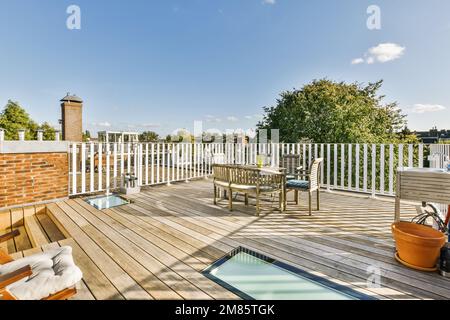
(181, 135)
(148, 136)
(86, 136)
(325, 111)
(14, 117)
(49, 131)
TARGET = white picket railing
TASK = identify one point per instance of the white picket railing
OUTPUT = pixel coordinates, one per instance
(367, 168)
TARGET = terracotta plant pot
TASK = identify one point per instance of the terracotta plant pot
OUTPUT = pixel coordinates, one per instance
(417, 245)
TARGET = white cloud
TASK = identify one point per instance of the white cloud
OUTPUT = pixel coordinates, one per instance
(424, 108)
(248, 117)
(151, 125)
(271, 2)
(211, 118)
(384, 52)
(232, 118)
(357, 61)
(101, 124)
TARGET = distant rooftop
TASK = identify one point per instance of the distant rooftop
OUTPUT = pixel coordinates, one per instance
(72, 98)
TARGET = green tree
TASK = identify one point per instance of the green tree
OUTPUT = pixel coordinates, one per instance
(86, 136)
(334, 112)
(49, 131)
(149, 136)
(13, 118)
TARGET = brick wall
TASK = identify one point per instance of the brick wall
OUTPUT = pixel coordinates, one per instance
(28, 178)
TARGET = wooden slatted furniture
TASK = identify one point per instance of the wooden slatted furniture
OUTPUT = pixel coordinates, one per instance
(256, 181)
(421, 184)
(221, 179)
(310, 183)
(292, 166)
(22, 273)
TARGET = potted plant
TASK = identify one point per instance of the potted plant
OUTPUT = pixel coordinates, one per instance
(418, 246)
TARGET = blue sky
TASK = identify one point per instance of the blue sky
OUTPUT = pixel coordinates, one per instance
(160, 65)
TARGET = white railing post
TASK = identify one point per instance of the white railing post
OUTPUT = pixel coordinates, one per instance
(107, 166)
(410, 155)
(400, 156)
(335, 166)
(83, 168)
(322, 167)
(357, 153)
(157, 162)
(163, 153)
(374, 169)
(92, 166)
(350, 169)
(115, 164)
(342, 166)
(391, 169)
(328, 167)
(421, 155)
(382, 159)
(74, 168)
(128, 158)
(365, 167)
(100, 173)
(141, 154)
(152, 166)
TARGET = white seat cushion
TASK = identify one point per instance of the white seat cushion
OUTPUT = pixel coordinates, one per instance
(53, 271)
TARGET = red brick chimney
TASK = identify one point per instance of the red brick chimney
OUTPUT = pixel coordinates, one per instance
(72, 118)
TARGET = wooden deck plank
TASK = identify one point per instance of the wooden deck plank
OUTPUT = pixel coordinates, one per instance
(94, 279)
(110, 243)
(171, 232)
(141, 263)
(262, 247)
(184, 208)
(121, 280)
(106, 223)
(49, 227)
(35, 232)
(22, 241)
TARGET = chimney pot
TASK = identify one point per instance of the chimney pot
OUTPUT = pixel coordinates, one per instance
(57, 135)
(40, 135)
(21, 134)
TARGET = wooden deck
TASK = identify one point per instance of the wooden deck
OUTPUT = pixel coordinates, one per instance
(156, 247)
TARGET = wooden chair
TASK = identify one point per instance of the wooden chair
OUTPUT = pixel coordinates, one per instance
(292, 166)
(310, 184)
(254, 181)
(221, 179)
(24, 271)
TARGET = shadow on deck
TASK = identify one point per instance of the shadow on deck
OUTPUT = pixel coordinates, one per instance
(156, 247)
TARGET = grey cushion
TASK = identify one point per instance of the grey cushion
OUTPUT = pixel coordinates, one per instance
(53, 271)
(297, 184)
